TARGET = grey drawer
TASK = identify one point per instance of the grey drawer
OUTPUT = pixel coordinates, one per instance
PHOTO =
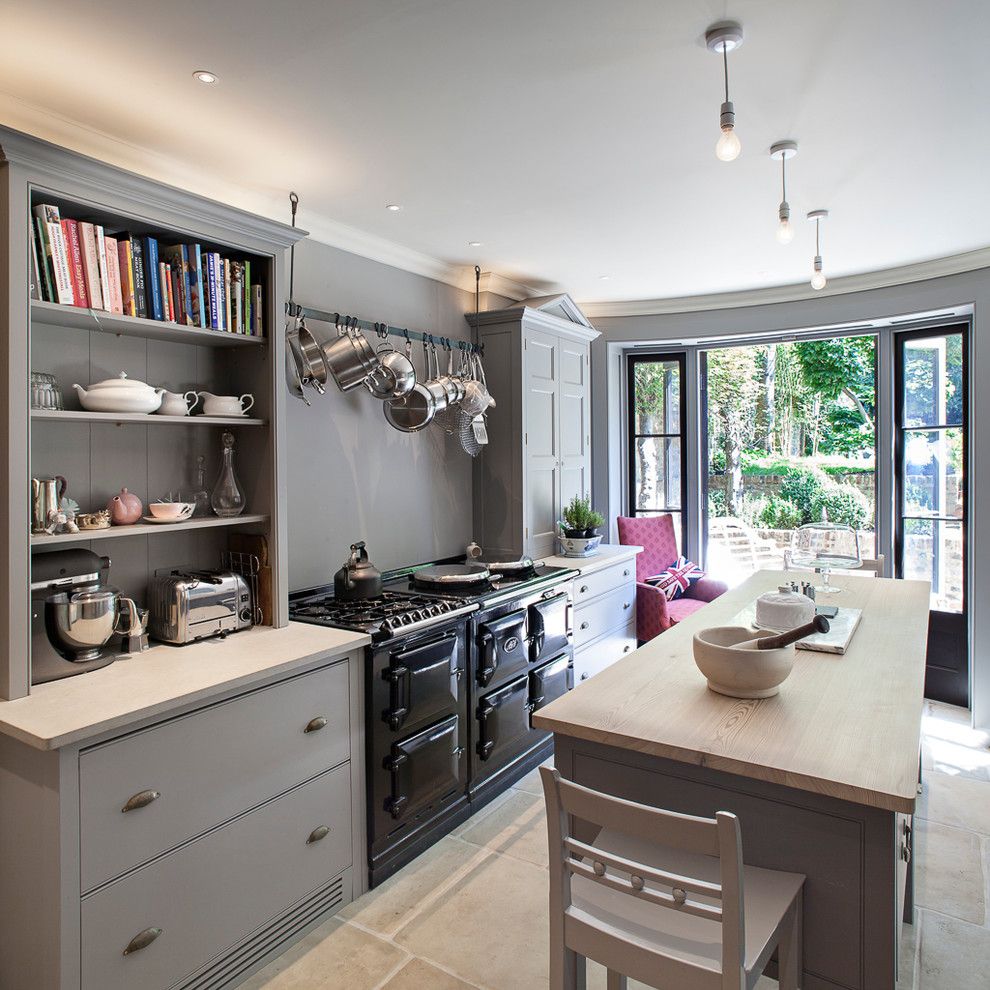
(210, 893)
(593, 619)
(207, 767)
(595, 656)
(607, 579)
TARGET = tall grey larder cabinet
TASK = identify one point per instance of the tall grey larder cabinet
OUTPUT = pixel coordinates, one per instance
(537, 360)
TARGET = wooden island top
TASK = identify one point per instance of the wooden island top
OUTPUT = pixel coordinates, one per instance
(844, 726)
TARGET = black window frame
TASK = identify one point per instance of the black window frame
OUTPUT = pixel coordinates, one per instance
(680, 357)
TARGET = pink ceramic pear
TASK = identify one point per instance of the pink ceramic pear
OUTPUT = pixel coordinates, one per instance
(125, 509)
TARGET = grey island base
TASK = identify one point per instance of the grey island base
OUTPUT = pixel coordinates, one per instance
(823, 777)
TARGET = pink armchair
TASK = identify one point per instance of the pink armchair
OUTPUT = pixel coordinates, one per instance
(654, 613)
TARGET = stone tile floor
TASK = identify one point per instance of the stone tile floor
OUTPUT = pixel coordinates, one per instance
(471, 911)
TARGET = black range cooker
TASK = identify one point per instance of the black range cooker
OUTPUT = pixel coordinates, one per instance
(452, 678)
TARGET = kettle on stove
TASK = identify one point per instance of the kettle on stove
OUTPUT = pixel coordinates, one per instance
(358, 578)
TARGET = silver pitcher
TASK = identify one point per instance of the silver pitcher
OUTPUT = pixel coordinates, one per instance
(46, 496)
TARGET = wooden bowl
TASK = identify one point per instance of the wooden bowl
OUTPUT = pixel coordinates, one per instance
(740, 673)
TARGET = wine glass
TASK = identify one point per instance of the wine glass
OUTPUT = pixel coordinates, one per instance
(823, 546)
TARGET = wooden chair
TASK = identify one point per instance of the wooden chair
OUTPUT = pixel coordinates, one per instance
(662, 898)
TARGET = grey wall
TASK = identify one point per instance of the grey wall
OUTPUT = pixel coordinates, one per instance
(350, 475)
(905, 300)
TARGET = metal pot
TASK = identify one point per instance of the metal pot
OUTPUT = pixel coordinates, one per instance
(313, 370)
(395, 376)
(415, 411)
(452, 575)
(349, 357)
(358, 578)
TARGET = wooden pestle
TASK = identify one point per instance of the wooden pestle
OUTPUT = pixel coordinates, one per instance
(819, 624)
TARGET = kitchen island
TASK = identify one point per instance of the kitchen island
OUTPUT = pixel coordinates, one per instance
(823, 776)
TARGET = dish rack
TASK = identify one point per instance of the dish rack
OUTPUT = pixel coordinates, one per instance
(248, 566)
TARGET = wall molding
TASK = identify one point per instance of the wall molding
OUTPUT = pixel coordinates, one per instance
(921, 271)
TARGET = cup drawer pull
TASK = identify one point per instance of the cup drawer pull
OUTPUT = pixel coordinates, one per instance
(583, 590)
(626, 605)
(141, 800)
(320, 832)
(584, 625)
(314, 725)
(142, 940)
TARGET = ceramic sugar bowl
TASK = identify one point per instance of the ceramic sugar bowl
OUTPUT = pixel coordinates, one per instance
(125, 508)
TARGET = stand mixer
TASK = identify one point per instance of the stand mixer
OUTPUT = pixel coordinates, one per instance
(75, 614)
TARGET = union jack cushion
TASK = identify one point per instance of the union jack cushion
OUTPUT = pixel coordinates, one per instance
(677, 578)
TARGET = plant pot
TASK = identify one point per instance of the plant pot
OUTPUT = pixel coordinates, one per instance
(575, 534)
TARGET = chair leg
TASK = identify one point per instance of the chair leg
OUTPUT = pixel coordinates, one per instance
(567, 969)
(616, 981)
(789, 967)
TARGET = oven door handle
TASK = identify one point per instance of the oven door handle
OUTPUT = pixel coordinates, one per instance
(484, 746)
(394, 803)
(488, 664)
(398, 680)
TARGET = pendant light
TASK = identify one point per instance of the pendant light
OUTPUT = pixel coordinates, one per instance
(781, 151)
(818, 280)
(721, 39)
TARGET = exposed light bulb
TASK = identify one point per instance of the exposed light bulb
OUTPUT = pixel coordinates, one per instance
(785, 232)
(818, 280)
(728, 146)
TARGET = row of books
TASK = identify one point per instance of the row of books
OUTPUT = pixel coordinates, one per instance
(77, 263)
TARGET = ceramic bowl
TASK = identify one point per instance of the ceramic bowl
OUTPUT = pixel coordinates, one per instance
(586, 547)
(171, 510)
(740, 673)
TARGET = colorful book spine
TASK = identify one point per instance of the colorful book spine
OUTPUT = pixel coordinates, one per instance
(35, 267)
(140, 283)
(211, 277)
(44, 263)
(175, 284)
(56, 250)
(91, 265)
(248, 324)
(126, 277)
(236, 297)
(228, 326)
(156, 309)
(113, 270)
(101, 259)
(167, 292)
(163, 291)
(257, 311)
(195, 256)
(70, 234)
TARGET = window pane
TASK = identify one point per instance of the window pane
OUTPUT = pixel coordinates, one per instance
(933, 551)
(657, 398)
(933, 381)
(657, 473)
(678, 524)
(933, 473)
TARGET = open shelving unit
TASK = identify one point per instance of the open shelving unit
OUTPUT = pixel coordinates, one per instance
(100, 453)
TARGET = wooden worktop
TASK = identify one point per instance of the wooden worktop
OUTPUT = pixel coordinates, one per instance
(164, 678)
(845, 726)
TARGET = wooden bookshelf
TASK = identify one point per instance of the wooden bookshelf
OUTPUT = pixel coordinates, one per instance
(76, 317)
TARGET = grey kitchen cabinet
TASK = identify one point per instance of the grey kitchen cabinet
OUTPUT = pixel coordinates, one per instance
(537, 360)
(188, 849)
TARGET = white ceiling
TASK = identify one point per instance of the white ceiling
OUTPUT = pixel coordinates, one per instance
(573, 137)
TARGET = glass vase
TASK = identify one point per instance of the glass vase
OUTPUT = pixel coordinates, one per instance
(227, 499)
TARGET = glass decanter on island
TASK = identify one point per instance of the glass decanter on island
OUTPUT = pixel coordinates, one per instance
(227, 499)
(824, 546)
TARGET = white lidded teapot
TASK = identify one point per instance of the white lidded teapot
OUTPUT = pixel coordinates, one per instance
(226, 405)
(121, 395)
(177, 404)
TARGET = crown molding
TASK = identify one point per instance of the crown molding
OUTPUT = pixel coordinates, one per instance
(921, 271)
(502, 285)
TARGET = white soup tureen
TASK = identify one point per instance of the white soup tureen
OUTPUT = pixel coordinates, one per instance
(121, 394)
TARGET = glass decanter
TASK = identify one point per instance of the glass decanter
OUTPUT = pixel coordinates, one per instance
(200, 496)
(227, 499)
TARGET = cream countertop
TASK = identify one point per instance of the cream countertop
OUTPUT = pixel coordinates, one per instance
(608, 553)
(845, 726)
(165, 678)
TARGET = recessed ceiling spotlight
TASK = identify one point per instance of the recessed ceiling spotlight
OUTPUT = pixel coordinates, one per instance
(205, 76)
(780, 152)
(474, 243)
(818, 280)
(393, 207)
(721, 39)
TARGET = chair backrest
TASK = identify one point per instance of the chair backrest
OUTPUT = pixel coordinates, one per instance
(872, 565)
(655, 534)
(717, 837)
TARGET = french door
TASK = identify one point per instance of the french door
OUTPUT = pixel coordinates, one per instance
(931, 526)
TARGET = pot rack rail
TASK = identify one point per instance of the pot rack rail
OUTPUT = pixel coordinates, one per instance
(296, 311)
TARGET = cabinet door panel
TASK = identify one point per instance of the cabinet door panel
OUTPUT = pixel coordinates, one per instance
(541, 439)
(575, 422)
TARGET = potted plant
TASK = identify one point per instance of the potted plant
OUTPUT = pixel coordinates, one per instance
(580, 520)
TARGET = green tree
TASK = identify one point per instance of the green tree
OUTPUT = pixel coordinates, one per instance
(841, 366)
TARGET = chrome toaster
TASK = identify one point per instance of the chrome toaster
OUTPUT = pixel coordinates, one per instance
(190, 605)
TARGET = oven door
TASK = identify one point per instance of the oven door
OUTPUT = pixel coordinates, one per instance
(550, 682)
(424, 767)
(423, 682)
(502, 648)
(549, 627)
(503, 723)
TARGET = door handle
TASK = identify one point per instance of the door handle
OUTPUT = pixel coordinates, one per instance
(315, 724)
(142, 940)
(141, 800)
